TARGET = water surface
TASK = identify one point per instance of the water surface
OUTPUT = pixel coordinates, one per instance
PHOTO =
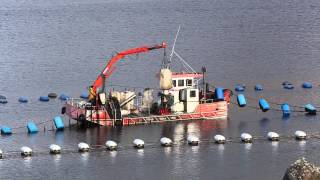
(61, 46)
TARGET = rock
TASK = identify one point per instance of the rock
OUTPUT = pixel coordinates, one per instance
(302, 170)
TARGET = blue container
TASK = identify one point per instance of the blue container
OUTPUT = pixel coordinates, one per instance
(58, 123)
(6, 130)
(84, 95)
(241, 100)
(264, 106)
(258, 87)
(307, 85)
(32, 128)
(23, 99)
(219, 93)
(310, 109)
(44, 98)
(63, 97)
(285, 110)
(239, 88)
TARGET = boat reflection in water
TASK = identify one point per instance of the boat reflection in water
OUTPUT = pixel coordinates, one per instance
(202, 129)
(190, 159)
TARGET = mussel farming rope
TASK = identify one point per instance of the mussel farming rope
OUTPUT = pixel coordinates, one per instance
(271, 109)
(39, 123)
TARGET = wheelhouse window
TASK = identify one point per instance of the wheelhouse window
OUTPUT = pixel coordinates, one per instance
(181, 82)
(174, 82)
(189, 82)
(192, 93)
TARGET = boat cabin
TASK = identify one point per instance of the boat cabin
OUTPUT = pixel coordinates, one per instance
(185, 80)
(185, 92)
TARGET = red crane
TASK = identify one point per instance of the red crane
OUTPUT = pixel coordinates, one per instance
(110, 66)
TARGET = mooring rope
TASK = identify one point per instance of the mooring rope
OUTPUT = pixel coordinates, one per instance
(39, 123)
(272, 109)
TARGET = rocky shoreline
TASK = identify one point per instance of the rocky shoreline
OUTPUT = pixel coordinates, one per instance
(301, 169)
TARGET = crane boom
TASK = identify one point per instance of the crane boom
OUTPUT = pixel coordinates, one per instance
(109, 68)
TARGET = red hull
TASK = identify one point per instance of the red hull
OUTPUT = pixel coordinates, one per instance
(214, 110)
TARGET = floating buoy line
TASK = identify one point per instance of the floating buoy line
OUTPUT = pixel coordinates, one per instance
(238, 88)
(166, 142)
(264, 105)
(110, 145)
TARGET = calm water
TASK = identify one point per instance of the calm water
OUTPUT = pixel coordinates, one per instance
(61, 46)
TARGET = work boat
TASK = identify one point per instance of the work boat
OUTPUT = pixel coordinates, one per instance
(180, 97)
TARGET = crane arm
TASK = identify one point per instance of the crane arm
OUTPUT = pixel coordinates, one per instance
(109, 68)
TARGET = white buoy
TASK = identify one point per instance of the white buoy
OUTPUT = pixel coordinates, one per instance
(193, 140)
(300, 135)
(1, 154)
(273, 136)
(246, 138)
(83, 147)
(111, 145)
(165, 141)
(138, 143)
(219, 139)
(26, 151)
(55, 149)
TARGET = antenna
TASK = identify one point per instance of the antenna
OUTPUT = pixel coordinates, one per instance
(174, 44)
(173, 52)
